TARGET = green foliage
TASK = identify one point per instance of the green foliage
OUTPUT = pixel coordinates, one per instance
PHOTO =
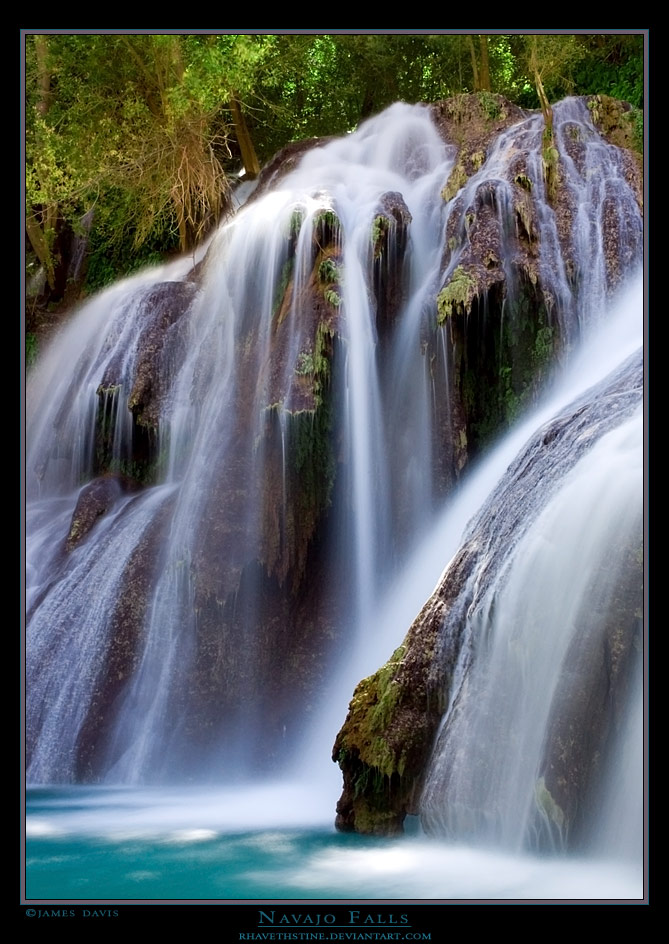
(612, 65)
(489, 105)
(326, 225)
(305, 364)
(327, 271)
(311, 431)
(551, 164)
(282, 284)
(380, 226)
(637, 121)
(111, 250)
(296, 220)
(543, 346)
(138, 118)
(332, 297)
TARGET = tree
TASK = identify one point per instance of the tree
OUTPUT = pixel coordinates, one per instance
(140, 123)
(149, 128)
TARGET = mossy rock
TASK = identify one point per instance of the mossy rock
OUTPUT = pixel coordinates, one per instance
(457, 179)
(457, 296)
(620, 123)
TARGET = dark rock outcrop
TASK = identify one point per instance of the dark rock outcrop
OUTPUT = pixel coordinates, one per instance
(390, 232)
(387, 738)
(95, 500)
(142, 384)
(512, 285)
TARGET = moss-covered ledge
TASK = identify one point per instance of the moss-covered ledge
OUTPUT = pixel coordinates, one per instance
(384, 744)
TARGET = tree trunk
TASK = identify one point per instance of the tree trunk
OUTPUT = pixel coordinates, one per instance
(249, 156)
(475, 71)
(546, 109)
(41, 231)
(44, 75)
(485, 65)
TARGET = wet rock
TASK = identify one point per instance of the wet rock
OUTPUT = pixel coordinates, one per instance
(390, 233)
(95, 500)
(283, 162)
(127, 624)
(142, 385)
(386, 741)
(158, 344)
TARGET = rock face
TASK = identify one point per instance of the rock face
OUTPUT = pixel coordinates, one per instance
(388, 737)
(133, 392)
(525, 229)
(94, 500)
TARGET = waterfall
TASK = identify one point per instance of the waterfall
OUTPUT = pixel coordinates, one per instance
(229, 468)
(206, 379)
(541, 743)
(544, 644)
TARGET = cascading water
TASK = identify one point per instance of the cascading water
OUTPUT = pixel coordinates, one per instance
(227, 472)
(550, 636)
(244, 365)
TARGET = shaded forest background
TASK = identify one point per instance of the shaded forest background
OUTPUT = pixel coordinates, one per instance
(134, 142)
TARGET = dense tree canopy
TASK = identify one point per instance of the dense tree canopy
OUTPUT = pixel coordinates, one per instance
(147, 130)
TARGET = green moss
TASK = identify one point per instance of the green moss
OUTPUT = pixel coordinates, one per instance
(499, 369)
(322, 352)
(490, 105)
(285, 278)
(328, 271)
(457, 295)
(31, 348)
(636, 120)
(374, 705)
(295, 222)
(310, 430)
(547, 805)
(380, 227)
(456, 181)
(389, 692)
(523, 181)
(544, 345)
(140, 459)
(305, 364)
(329, 275)
(620, 123)
(510, 400)
(478, 159)
(312, 455)
(326, 227)
(333, 298)
(373, 820)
